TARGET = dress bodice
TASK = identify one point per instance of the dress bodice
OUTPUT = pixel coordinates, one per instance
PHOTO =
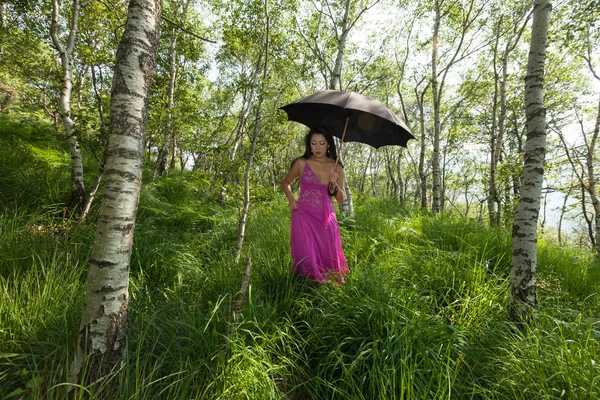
(314, 198)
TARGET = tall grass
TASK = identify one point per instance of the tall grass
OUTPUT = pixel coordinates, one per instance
(422, 315)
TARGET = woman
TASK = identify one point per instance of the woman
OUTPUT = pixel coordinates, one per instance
(315, 235)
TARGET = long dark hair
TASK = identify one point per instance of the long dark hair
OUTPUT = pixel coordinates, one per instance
(331, 151)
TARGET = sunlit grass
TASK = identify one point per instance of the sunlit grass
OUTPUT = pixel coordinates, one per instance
(422, 315)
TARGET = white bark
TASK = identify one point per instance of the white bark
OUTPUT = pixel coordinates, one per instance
(420, 96)
(65, 51)
(336, 81)
(522, 297)
(592, 187)
(3, 15)
(246, 208)
(347, 205)
(173, 68)
(583, 164)
(470, 12)
(435, 157)
(498, 125)
(105, 321)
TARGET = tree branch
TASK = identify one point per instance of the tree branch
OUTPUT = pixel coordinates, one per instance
(176, 25)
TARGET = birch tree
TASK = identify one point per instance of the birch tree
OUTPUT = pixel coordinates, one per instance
(263, 60)
(65, 51)
(3, 10)
(342, 17)
(516, 25)
(464, 14)
(583, 161)
(522, 299)
(104, 324)
(181, 7)
(582, 38)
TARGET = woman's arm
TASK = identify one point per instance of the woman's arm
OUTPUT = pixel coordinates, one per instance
(291, 176)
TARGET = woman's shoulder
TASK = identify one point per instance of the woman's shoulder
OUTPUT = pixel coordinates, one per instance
(299, 162)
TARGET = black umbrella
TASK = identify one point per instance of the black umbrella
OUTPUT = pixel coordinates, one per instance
(350, 116)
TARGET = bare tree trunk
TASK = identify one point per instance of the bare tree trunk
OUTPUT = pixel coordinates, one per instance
(468, 15)
(347, 205)
(588, 221)
(161, 167)
(563, 209)
(264, 53)
(241, 123)
(396, 184)
(499, 123)
(374, 171)
(422, 175)
(544, 208)
(522, 299)
(77, 201)
(364, 174)
(592, 186)
(586, 176)
(101, 342)
(435, 158)
(2, 15)
(104, 136)
(402, 184)
(492, 186)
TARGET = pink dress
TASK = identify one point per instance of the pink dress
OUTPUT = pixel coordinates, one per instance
(315, 235)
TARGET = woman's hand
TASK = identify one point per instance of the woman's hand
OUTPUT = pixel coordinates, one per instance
(292, 204)
(333, 177)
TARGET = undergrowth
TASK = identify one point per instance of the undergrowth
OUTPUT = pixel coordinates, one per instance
(422, 315)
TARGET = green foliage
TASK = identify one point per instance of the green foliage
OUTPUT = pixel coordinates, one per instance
(422, 314)
(31, 163)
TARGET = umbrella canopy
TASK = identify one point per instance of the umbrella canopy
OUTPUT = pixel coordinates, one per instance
(368, 120)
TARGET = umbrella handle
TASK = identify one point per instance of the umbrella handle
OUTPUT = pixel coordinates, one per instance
(337, 158)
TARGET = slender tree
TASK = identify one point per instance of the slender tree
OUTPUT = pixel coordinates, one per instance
(105, 322)
(343, 16)
(583, 161)
(161, 167)
(3, 10)
(522, 297)
(500, 63)
(263, 59)
(465, 16)
(65, 51)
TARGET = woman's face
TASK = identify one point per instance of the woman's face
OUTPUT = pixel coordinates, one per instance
(318, 145)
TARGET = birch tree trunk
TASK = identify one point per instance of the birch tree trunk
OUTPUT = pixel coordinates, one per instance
(165, 150)
(522, 299)
(77, 202)
(264, 52)
(435, 157)
(104, 325)
(347, 205)
(563, 210)
(469, 13)
(499, 123)
(2, 15)
(586, 173)
(492, 195)
(104, 136)
(592, 187)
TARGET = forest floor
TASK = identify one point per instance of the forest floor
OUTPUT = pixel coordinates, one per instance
(422, 315)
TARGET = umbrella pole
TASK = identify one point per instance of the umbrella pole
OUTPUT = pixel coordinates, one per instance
(337, 157)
